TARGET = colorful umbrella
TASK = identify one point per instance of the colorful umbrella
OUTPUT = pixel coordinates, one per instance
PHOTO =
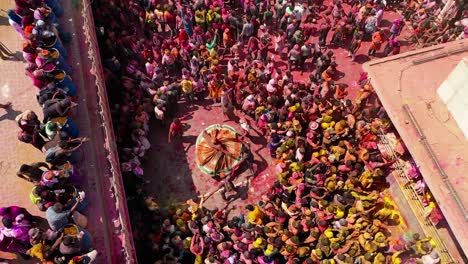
(218, 150)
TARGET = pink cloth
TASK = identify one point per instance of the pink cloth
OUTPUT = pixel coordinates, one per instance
(29, 57)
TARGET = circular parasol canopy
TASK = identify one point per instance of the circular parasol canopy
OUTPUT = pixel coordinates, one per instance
(218, 150)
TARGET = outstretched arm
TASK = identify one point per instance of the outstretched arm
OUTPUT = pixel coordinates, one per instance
(42, 164)
(82, 140)
(52, 249)
(75, 206)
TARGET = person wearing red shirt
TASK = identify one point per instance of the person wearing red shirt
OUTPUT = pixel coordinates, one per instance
(176, 130)
(171, 20)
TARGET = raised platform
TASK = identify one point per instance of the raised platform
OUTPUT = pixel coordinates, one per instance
(406, 84)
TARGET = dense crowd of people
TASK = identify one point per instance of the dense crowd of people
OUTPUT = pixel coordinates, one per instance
(326, 205)
(434, 23)
(56, 179)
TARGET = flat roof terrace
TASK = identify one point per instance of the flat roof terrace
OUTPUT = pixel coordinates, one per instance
(407, 87)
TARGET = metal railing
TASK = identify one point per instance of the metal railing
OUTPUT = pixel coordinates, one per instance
(415, 202)
(444, 176)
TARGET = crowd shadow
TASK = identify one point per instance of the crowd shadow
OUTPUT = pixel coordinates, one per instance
(242, 193)
(189, 139)
(10, 114)
(361, 58)
(338, 75)
(385, 23)
(260, 164)
(11, 58)
(259, 140)
(279, 64)
(19, 56)
(404, 43)
(4, 21)
(168, 167)
(203, 102)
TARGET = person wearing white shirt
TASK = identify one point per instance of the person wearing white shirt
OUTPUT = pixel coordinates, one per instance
(432, 258)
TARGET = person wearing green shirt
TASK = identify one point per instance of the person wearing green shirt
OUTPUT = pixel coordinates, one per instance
(211, 45)
(267, 17)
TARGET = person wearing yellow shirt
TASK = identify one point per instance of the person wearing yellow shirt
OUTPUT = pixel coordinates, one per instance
(255, 215)
(260, 242)
(303, 251)
(270, 250)
(396, 258)
(379, 259)
(187, 88)
(159, 12)
(380, 240)
(200, 18)
(423, 246)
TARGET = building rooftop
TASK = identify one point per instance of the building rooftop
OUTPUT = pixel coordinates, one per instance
(407, 86)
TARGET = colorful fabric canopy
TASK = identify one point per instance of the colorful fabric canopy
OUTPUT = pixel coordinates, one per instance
(218, 150)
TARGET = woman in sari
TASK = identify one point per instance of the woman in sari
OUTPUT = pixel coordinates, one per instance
(52, 56)
(15, 236)
(8, 244)
(30, 129)
(377, 40)
(13, 212)
(29, 52)
(17, 229)
(216, 89)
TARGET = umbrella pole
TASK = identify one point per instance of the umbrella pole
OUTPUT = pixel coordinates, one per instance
(206, 196)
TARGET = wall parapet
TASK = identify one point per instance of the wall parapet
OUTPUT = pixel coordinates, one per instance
(122, 246)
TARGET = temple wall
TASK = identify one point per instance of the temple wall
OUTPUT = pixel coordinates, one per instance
(110, 181)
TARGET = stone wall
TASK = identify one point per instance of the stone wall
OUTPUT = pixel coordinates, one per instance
(122, 246)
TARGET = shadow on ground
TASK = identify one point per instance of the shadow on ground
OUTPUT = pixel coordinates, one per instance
(167, 165)
(4, 21)
(10, 114)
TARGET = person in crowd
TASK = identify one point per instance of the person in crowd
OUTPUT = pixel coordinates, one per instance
(30, 129)
(57, 217)
(355, 45)
(33, 172)
(54, 190)
(377, 39)
(324, 205)
(176, 130)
